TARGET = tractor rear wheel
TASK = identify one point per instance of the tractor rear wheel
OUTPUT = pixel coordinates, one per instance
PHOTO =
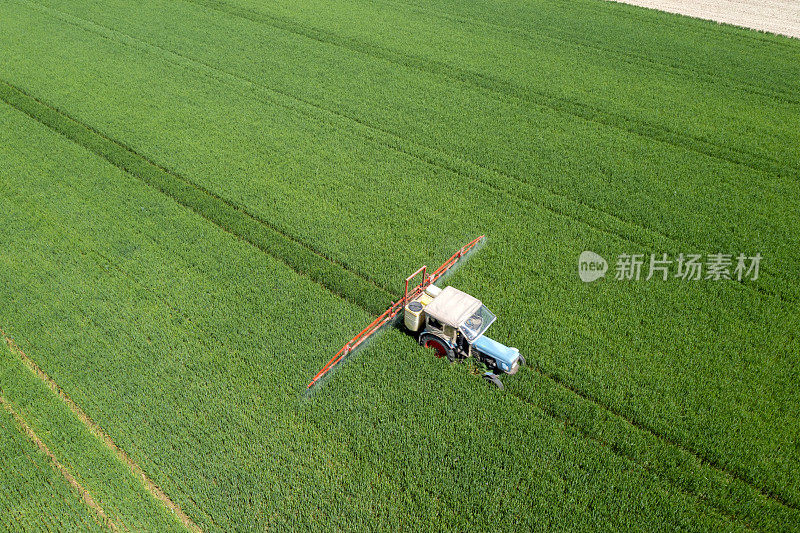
(493, 379)
(440, 349)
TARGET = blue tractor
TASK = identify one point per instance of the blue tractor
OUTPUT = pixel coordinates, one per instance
(453, 324)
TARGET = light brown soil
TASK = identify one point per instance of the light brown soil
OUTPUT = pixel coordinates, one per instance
(775, 16)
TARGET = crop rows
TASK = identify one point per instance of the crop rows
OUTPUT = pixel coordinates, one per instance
(576, 107)
(314, 200)
(534, 76)
(693, 182)
(231, 408)
(704, 49)
(57, 124)
(375, 254)
(33, 495)
(665, 59)
(226, 215)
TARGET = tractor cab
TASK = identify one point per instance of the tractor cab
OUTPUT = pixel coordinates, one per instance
(453, 324)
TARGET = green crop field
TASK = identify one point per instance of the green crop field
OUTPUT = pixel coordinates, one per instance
(201, 201)
(35, 495)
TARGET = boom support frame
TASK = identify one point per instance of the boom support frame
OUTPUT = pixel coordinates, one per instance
(396, 307)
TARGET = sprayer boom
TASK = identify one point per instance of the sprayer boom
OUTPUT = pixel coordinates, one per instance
(396, 307)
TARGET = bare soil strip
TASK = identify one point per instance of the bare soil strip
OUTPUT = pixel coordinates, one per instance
(781, 17)
(87, 497)
(102, 435)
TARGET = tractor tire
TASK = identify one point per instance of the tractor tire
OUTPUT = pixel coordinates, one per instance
(493, 379)
(440, 348)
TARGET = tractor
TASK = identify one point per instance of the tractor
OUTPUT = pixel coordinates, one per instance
(453, 324)
(449, 321)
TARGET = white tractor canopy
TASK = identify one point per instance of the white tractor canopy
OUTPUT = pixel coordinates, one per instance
(453, 307)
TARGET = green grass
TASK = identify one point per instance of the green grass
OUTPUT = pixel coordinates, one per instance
(704, 50)
(662, 106)
(220, 193)
(34, 495)
(626, 182)
(226, 431)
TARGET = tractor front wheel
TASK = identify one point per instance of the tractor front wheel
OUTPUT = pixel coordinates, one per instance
(493, 379)
(440, 349)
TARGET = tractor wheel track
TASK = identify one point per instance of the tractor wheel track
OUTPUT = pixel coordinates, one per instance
(26, 429)
(95, 429)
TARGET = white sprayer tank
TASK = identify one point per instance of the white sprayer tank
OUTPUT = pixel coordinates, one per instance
(414, 312)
